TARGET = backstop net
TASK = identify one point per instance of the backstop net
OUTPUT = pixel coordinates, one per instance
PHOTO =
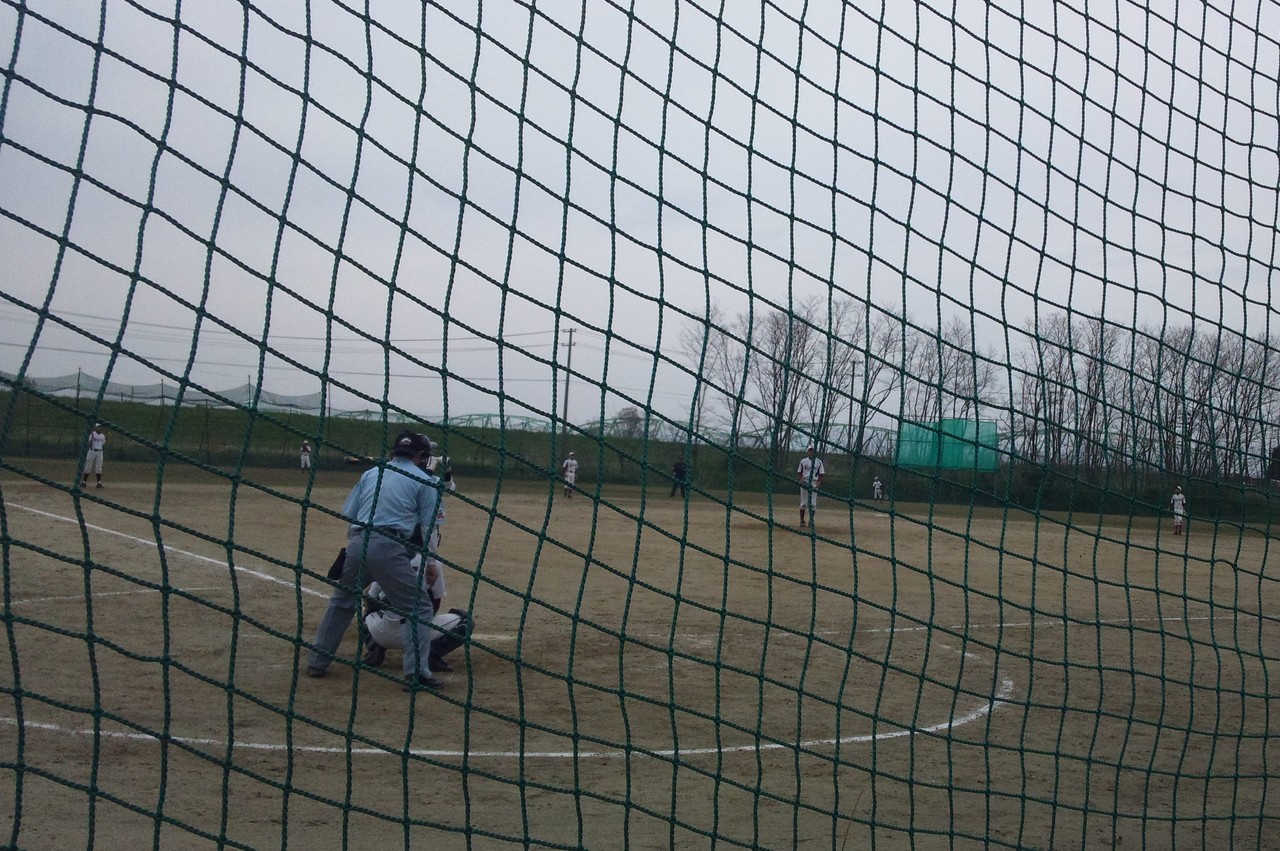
(1009, 270)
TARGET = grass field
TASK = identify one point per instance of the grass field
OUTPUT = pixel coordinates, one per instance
(646, 673)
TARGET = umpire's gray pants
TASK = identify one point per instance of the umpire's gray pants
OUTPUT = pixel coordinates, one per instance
(386, 561)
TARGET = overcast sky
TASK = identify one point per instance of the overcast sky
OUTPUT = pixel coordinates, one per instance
(469, 181)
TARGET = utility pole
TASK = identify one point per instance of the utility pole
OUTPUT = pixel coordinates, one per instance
(848, 429)
(568, 367)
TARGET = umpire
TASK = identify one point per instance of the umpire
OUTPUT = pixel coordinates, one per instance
(385, 506)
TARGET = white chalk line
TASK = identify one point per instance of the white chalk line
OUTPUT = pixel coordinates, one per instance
(30, 601)
(1001, 697)
(172, 549)
(960, 628)
(1040, 624)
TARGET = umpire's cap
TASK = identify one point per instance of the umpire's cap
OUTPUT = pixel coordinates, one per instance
(410, 443)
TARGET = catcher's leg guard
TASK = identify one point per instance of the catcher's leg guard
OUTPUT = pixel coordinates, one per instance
(453, 629)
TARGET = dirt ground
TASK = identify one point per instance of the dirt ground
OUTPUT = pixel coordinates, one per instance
(645, 673)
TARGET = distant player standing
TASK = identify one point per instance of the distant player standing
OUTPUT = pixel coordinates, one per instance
(569, 469)
(1178, 502)
(93, 457)
(877, 489)
(811, 472)
(680, 477)
(304, 455)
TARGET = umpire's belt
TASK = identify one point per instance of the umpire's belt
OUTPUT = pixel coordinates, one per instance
(389, 531)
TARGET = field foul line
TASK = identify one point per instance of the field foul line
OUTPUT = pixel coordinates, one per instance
(197, 556)
(715, 639)
(1000, 699)
(172, 549)
(1046, 624)
(72, 598)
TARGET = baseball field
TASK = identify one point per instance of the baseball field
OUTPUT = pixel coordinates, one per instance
(645, 671)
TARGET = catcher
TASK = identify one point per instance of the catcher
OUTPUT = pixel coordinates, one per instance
(384, 630)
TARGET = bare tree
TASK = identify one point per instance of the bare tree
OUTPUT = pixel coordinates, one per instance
(1159, 396)
(1226, 393)
(947, 376)
(1047, 392)
(1096, 380)
(1191, 400)
(1027, 419)
(764, 375)
(1172, 383)
(784, 349)
(881, 373)
(827, 391)
(716, 351)
(1252, 404)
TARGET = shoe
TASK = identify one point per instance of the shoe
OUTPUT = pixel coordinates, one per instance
(316, 673)
(418, 682)
(376, 655)
(438, 665)
(99, 484)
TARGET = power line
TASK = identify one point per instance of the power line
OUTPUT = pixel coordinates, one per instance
(240, 368)
(167, 331)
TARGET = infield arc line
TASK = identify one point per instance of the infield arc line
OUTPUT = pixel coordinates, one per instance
(999, 699)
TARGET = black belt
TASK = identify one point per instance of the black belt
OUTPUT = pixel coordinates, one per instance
(381, 530)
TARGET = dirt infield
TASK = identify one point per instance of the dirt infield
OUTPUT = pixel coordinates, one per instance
(645, 673)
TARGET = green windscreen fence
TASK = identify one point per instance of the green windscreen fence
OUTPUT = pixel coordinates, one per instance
(949, 445)
(1010, 269)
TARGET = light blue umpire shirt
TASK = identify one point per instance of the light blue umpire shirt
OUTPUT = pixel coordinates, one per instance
(402, 501)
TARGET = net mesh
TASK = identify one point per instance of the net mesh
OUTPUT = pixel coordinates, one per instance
(1011, 272)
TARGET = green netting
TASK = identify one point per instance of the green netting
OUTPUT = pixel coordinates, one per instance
(1009, 268)
(948, 445)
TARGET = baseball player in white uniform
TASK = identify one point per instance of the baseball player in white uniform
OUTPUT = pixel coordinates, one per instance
(304, 455)
(386, 631)
(811, 472)
(93, 457)
(1178, 502)
(877, 489)
(570, 470)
